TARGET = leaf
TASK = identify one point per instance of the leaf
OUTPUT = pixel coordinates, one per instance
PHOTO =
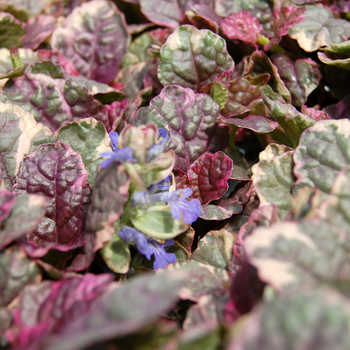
(157, 221)
(292, 255)
(322, 152)
(336, 55)
(215, 249)
(120, 312)
(319, 28)
(22, 9)
(53, 102)
(192, 58)
(192, 124)
(7, 201)
(89, 138)
(98, 22)
(208, 176)
(300, 77)
(26, 214)
(274, 181)
(203, 279)
(257, 123)
(110, 194)
(17, 271)
(164, 12)
(146, 116)
(9, 24)
(116, 254)
(38, 30)
(320, 318)
(291, 121)
(48, 68)
(20, 134)
(56, 172)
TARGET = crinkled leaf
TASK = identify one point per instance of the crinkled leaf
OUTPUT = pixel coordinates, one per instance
(192, 58)
(9, 24)
(163, 12)
(219, 89)
(56, 172)
(17, 271)
(99, 89)
(148, 115)
(107, 203)
(203, 279)
(26, 214)
(192, 124)
(123, 311)
(300, 77)
(53, 102)
(19, 135)
(274, 181)
(292, 122)
(291, 255)
(116, 254)
(315, 114)
(257, 123)
(242, 26)
(319, 28)
(38, 30)
(157, 221)
(100, 23)
(89, 138)
(48, 68)
(215, 248)
(318, 320)
(322, 152)
(208, 176)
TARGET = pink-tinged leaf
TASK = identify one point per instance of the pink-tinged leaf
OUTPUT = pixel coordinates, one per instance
(203, 17)
(7, 201)
(339, 110)
(163, 12)
(56, 172)
(53, 102)
(192, 123)
(257, 123)
(315, 114)
(94, 38)
(110, 194)
(208, 176)
(242, 26)
(38, 30)
(25, 216)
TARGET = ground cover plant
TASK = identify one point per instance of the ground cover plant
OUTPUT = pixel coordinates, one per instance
(175, 174)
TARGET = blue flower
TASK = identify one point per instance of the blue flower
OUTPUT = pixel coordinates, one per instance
(148, 246)
(119, 154)
(178, 203)
(160, 186)
(155, 150)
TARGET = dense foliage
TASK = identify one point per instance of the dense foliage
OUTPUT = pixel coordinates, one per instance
(175, 174)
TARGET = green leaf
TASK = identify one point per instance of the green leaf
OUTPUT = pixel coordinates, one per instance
(291, 255)
(116, 254)
(48, 68)
(292, 122)
(274, 180)
(215, 248)
(192, 58)
(19, 135)
(158, 222)
(219, 93)
(9, 24)
(324, 149)
(336, 55)
(89, 138)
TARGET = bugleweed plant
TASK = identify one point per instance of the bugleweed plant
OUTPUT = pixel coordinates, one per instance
(175, 174)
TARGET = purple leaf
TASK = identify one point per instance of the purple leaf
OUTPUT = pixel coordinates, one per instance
(7, 201)
(53, 102)
(110, 194)
(38, 30)
(257, 123)
(192, 123)
(339, 110)
(242, 26)
(204, 17)
(56, 172)
(208, 176)
(94, 38)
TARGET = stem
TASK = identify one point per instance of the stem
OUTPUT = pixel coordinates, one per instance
(15, 58)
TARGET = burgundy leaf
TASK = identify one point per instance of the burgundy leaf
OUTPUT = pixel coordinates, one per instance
(38, 30)
(112, 114)
(208, 176)
(110, 194)
(243, 26)
(192, 122)
(7, 201)
(56, 172)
